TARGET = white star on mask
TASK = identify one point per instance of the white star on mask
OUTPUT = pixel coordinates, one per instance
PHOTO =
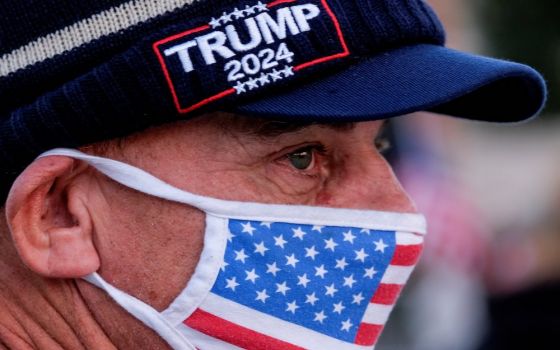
(320, 271)
(247, 228)
(292, 307)
(251, 276)
(240, 255)
(298, 233)
(380, 246)
(282, 288)
(311, 253)
(262, 296)
(260, 248)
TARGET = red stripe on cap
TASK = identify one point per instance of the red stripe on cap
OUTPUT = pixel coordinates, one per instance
(345, 52)
(279, 2)
(387, 294)
(407, 255)
(155, 47)
(234, 334)
(368, 334)
(208, 100)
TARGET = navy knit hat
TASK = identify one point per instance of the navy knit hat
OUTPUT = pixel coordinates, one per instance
(76, 72)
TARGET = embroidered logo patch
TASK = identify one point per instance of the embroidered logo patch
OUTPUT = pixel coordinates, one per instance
(247, 48)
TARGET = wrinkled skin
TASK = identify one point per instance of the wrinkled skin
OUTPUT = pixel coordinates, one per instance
(66, 220)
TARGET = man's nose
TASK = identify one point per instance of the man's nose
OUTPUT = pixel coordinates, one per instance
(368, 182)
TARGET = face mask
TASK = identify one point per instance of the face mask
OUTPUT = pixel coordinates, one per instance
(277, 276)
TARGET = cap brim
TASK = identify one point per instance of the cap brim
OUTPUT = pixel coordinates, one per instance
(409, 79)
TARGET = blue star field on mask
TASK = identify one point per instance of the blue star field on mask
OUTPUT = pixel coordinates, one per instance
(321, 278)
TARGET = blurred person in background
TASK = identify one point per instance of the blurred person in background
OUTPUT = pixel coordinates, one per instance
(500, 183)
(523, 278)
(444, 306)
(523, 270)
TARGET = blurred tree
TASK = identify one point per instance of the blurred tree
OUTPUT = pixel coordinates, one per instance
(529, 32)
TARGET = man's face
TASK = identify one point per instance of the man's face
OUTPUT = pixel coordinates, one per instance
(238, 158)
(150, 247)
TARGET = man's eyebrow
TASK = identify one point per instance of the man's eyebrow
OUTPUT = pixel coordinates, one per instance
(275, 128)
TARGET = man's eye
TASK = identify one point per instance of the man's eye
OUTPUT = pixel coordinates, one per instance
(302, 159)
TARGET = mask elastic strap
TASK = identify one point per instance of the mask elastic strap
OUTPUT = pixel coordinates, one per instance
(143, 312)
(135, 178)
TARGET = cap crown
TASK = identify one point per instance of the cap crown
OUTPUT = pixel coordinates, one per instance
(73, 73)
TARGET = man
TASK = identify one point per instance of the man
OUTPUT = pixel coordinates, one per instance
(257, 120)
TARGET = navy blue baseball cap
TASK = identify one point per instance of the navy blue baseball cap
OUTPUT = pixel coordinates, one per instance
(75, 73)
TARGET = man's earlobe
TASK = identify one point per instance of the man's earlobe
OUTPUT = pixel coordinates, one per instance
(49, 220)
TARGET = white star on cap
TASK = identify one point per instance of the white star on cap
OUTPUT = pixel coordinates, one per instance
(261, 7)
(226, 17)
(380, 246)
(262, 296)
(251, 276)
(249, 10)
(215, 23)
(275, 75)
(252, 84)
(263, 79)
(288, 71)
(240, 88)
(237, 13)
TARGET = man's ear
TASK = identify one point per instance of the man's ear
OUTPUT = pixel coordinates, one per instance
(49, 220)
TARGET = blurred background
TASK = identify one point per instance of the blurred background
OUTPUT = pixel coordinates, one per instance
(490, 275)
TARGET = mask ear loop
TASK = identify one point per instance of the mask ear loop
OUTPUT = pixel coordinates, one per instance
(143, 312)
(135, 178)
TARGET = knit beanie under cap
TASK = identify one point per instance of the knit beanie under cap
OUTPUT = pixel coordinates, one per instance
(77, 72)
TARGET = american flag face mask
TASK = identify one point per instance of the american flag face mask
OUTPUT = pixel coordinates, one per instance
(278, 276)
